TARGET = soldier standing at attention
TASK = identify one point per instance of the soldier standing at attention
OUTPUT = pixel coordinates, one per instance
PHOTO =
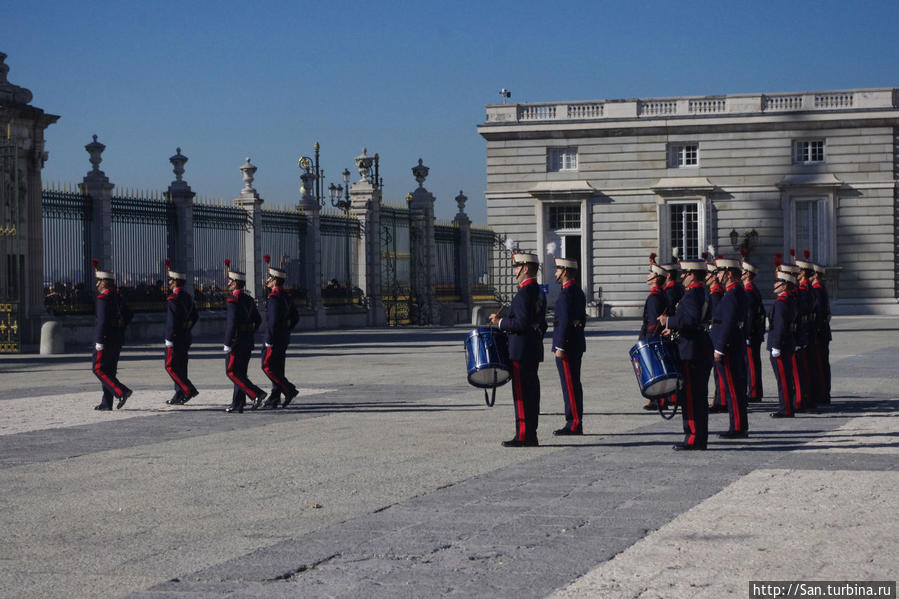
(755, 331)
(781, 342)
(716, 292)
(181, 316)
(694, 349)
(656, 305)
(569, 344)
(281, 317)
(822, 326)
(526, 323)
(242, 322)
(729, 344)
(113, 316)
(805, 399)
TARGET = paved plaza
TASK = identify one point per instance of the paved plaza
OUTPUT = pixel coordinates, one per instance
(385, 478)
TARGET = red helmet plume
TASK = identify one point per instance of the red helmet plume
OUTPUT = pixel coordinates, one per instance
(793, 252)
(807, 254)
(267, 258)
(652, 258)
(705, 256)
(778, 260)
(227, 261)
(744, 252)
(168, 262)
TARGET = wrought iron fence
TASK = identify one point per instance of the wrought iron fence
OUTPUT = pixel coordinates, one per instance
(12, 274)
(482, 242)
(340, 239)
(139, 235)
(284, 240)
(218, 235)
(447, 240)
(501, 280)
(396, 275)
(66, 225)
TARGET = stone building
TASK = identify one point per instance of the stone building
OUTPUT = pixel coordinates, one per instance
(612, 181)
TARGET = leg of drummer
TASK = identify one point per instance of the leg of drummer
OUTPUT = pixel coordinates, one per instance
(695, 407)
(531, 387)
(518, 405)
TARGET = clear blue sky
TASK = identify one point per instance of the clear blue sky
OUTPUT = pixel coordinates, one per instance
(226, 80)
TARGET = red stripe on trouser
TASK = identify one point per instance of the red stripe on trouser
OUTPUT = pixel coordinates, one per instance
(98, 370)
(735, 405)
(168, 368)
(688, 403)
(798, 382)
(752, 375)
(519, 401)
(720, 398)
(784, 386)
(234, 378)
(575, 418)
(267, 369)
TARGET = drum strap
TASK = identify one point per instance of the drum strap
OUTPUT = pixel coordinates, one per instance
(491, 400)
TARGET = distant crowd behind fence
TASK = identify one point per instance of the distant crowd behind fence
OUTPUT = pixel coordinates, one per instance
(144, 229)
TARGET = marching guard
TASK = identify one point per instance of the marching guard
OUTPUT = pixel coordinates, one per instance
(780, 340)
(181, 316)
(729, 343)
(281, 317)
(569, 344)
(113, 316)
(755, 331)
(526, 325)
(242, 322)
(695, 350)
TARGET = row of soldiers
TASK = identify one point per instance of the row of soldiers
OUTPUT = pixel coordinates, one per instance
(715, 313)
(242, 322)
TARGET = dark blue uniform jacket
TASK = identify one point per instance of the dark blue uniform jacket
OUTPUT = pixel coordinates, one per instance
(689, 322)
(674, 291)
(728, 321)
(780, 335)
(755, 314)
(281, 317)
(569, 320)
(527, 323)
(656, 305)
(822, 313)
(243, 318)
(113, 316)
(181, 316)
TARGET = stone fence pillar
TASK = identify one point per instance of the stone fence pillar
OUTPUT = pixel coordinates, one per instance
(365, 205)
(424, 250)
(312, 252)
(96, 185)
(464, 266)
(250, 201)
(181, 227)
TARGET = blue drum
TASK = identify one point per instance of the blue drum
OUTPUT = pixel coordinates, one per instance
(487, 356)
(656, 367)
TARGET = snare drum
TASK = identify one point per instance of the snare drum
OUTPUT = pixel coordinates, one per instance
(656, 367)
(487, 356)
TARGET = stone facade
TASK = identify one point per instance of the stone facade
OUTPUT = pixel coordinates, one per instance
(612, 181)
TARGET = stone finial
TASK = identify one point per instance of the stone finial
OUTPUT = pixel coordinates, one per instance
(460, 200)
(95, 149)
(248, 171)
(9, 92)
(178, 161)
(363, 163)
(420, 173)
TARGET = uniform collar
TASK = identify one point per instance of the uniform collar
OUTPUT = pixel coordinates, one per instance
(696, 285)
(236, 292)
(716, 288)
(817, 285)
(804, 285)
(528, 281)
(177, 290)
(669, 285)
(784, 295)
(567, 284)
(731, 285)
(655, 290)
(749, 286)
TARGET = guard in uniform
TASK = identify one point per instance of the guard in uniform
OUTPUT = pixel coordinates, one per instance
(694, 349)
(781, 342)
(113, 316)
(569, 344)
(824, 335)
(181, 316)
(242, 322)
(281, 317)
(805, 397)
(656, 304)
(729, 344)
(716, 292)
(526, 325)
(755, 331)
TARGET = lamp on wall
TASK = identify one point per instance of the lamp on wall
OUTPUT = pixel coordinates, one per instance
(748, 242)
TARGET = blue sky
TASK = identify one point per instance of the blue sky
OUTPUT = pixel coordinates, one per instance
(226, 80)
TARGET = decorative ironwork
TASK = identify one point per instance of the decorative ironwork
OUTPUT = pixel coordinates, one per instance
(284, 239)
(9, 328)
(447, 240)
(12, 274)
(395, 265)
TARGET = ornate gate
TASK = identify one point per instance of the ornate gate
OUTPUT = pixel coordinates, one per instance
(10, 231)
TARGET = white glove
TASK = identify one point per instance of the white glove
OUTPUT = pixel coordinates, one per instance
(796, 349)
(747, 342)
(169, 343)
(268, 345)
(226, 349)
(775, 353)
(98, 346)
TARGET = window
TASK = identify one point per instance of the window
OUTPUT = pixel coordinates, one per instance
(683, 155)
(565, 217)
(684, 219)
(808, 151)
(561, 159)
(807, 225)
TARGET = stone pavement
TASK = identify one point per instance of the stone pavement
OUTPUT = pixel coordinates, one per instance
(386, 479)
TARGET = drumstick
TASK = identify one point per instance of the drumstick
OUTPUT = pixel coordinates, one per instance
(498, 312)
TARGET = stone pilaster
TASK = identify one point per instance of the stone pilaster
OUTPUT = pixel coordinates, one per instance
(423, 250)
(464, 267)
(312, 253)
(250, 201)
(181, 223)
(96, 185)
(365, 205)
